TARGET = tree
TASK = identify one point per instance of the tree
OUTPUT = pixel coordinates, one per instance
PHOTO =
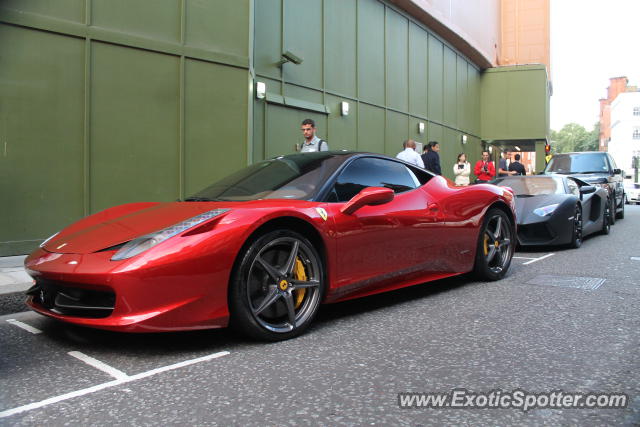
(574, 137)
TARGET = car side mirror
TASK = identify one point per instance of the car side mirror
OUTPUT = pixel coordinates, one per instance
(617, 171)
(587, 189)
(369, 196)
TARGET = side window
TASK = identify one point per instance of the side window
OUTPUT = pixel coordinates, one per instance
(573, 187)
(613, 163)
(371, 172)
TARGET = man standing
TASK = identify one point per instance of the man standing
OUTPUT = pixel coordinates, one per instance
(431, 158)
(516, 167)
(503, 170)
(409, 154)
(311, 142)
(484, 169)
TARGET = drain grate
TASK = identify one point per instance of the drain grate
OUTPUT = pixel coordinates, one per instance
(586, 283)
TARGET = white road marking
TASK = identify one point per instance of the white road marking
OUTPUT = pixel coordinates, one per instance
(103, 386)
(523, 257)
(538, 259)
(635, 258)
(24, 326)
(115, 373)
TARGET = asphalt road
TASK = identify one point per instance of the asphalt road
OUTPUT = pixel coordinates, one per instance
(561, 320)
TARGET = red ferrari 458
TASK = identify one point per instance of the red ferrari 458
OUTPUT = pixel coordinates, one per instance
(262, 249)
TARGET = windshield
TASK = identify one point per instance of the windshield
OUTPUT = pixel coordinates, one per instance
(534, 185)
(297, 176)
(577, 163)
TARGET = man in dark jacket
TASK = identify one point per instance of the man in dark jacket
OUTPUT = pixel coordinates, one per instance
(517, 167)
(431, 158)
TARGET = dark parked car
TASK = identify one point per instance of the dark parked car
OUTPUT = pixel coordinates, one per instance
(596, 168)
(557, 210)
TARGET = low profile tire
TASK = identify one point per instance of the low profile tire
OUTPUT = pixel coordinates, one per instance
(606, 215)
(620, 215)
(277, 286)
(495, 247)
(576, 237)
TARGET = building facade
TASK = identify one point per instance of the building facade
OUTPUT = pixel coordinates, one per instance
(625, 130)
(105, 102)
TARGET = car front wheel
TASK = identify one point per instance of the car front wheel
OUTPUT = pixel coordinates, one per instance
(495, 246)
(277, 286)
(576, 239)
(606, 226)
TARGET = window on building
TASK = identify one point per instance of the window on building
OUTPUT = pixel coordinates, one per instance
(636, 111)
(636, 133)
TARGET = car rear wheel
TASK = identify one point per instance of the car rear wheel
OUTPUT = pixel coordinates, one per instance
(495, 246)
(576, 238)
(620, 215)
(277, 286)
(612, 211)
(606, 226)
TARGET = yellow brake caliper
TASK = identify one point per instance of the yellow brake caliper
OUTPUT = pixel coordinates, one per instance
(486, 244)
(299, 274)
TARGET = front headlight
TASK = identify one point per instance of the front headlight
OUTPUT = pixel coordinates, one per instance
(143, 243)
(545, 210)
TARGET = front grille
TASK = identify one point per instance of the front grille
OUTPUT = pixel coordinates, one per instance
(538, 232)
(64, 298)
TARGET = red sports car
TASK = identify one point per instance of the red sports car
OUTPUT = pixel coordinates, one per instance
(264, 247)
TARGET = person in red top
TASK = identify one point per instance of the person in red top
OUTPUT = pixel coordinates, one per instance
(484, 169)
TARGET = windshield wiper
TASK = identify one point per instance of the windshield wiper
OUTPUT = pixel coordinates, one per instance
(198, 199)
(525, 195)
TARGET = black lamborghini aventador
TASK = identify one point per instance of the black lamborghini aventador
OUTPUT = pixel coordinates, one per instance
(557, 210)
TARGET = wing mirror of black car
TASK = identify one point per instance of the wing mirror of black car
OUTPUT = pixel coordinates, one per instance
(617, 171)
(587, 189)
(369, 196)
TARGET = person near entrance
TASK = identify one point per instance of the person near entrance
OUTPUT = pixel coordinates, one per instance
(503, 169)
(311, 142)
(516, 167)
(431, 158)
(484, 169)
(409, 154)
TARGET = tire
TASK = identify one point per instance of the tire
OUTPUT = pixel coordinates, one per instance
(612, 211)
(606, 215)
(620, 215)
(576, 236)
(495, 246)
(277, 286)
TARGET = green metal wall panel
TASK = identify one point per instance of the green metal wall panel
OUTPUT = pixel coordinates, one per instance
(268, 37)
(396, 48)
(342, 131)
(134, 126)
(418, 48)
(395, 133)
(68, 10)
(474, 99)
(515, 103)
(450, 88)
(214, 131)
(461, 92)
(371, 127)
(340, 46)
(436, 79)
(371, 60)
(41, 140)
(162, 21)
(303, 37)
(217, 24)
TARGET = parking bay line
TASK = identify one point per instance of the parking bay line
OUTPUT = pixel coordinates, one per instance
(127, 379)
(24, 326)
(115, 373)
(538, 259)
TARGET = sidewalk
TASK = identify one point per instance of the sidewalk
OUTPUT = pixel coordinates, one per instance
(13, 278)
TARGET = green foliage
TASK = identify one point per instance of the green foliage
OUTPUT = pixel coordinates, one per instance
(574, 137)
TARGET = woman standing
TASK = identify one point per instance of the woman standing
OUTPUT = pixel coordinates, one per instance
(461, 170)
